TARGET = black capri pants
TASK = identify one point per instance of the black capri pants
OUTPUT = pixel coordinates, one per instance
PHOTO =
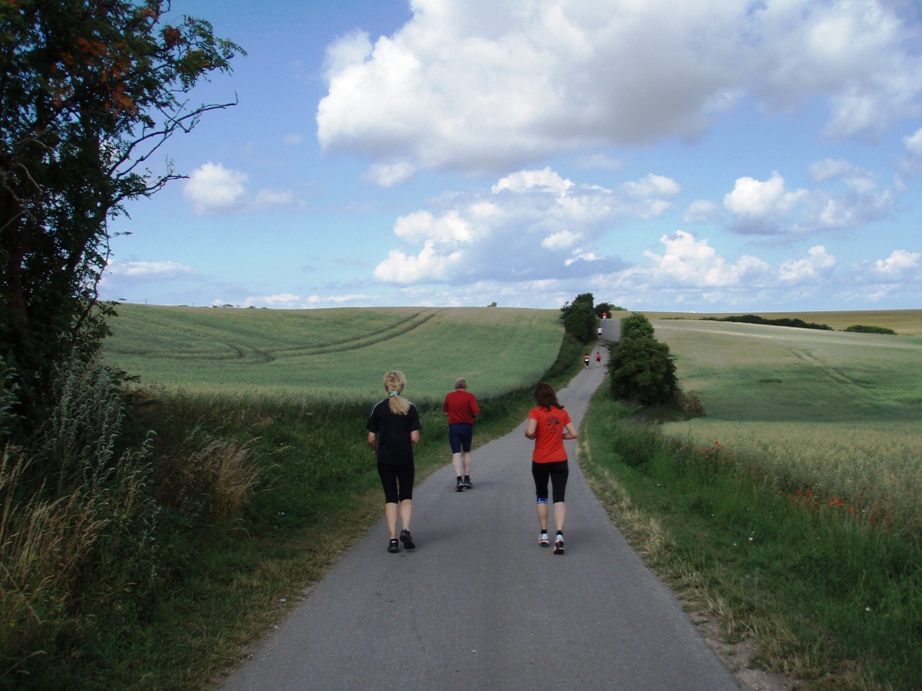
(557, 472)
(393, 476)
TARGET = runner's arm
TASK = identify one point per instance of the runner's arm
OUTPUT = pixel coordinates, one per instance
(532, 428)
(569, 432)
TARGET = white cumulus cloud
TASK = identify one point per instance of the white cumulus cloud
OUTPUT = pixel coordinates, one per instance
(531, 225)
(816, 264)
(545, 180)
(561, 240)
(897, 266)
(478, 86)
(212, 189)
(759, 206)
(690, 262)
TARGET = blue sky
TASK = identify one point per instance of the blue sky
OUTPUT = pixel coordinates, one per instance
(706, 156)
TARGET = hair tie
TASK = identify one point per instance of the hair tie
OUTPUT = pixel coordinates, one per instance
(394, 393)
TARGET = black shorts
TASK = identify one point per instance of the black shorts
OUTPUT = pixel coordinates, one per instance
(393, 476)
(460, 436)
(557, 472)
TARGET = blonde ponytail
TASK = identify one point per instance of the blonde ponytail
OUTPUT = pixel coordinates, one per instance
(394, 382)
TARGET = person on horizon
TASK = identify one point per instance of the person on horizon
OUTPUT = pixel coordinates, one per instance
(393, 428)
(549, 424)
(586, 360)
(461, 408)
(598, 358)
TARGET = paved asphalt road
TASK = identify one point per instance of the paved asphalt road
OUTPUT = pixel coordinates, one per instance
(479, 605)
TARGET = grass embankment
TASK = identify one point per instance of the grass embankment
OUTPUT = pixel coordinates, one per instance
(255, 497)
(793, 511)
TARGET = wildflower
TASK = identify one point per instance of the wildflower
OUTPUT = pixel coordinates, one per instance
(809, 493)
(839, 502)
(851, 509)
(816, 506)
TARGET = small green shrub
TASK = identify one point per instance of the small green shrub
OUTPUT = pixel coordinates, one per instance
(861, 329)
(636, 325)
(640, 368)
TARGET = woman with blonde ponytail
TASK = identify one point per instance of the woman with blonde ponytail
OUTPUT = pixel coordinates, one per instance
(393, 428)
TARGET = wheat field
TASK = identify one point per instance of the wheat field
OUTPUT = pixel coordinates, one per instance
(338, 354)
(839, 413)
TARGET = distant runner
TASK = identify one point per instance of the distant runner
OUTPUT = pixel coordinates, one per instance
(549, 424)
(598, 358)
(393, 428)
(600, 333)
(586, 360)
(461, 408)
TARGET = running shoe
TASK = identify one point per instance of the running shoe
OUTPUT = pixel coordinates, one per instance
(467, 482)
(393, 546)
(558, 544)
(407, 540)
(460, 486)
(543, 541)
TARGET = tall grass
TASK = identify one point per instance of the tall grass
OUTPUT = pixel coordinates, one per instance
(875, 467)
(82, 532)
(827, 594)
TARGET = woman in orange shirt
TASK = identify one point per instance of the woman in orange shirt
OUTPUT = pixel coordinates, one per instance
(549, 424)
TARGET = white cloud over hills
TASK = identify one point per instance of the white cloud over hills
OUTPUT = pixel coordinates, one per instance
(533, 225)
(477, 86)
(850, 199)
(536, 230)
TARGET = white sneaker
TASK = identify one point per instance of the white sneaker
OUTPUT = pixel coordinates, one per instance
(543, 541)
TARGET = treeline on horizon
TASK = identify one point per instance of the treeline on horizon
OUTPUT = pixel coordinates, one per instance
(798, 324)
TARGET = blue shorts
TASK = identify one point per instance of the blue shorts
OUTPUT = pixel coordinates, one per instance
(460, 437)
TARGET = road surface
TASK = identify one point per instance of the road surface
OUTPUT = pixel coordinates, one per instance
(479, 605)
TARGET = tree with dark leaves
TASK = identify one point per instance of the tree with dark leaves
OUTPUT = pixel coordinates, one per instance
(89, 92)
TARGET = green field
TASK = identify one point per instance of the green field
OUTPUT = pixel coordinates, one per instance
(339, 354)
(831, 411)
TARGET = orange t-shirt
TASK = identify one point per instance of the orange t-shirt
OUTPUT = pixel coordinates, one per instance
(549, 434)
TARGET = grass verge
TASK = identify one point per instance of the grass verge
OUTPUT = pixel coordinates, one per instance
(827, 595)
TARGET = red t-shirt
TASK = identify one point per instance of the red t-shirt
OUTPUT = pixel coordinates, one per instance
(549, 434)
(461, 407)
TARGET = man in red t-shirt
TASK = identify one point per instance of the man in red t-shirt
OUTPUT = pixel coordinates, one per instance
(461, 408)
